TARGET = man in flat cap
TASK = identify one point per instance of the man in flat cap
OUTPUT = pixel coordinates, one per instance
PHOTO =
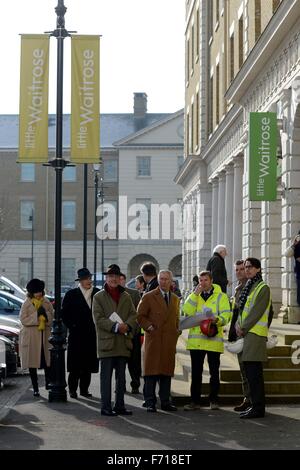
(115, 319)
(82, 358)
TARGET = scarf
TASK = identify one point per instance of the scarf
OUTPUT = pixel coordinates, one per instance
(37, 303)
(246, 291)
(114, 292)
(87, 294)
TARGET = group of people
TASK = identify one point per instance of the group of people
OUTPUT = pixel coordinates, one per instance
(111, 324)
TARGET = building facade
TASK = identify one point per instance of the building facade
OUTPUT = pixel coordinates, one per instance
(27, 197)
(242, 56)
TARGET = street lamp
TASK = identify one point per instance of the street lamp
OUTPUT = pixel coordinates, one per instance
(101, 194)
(96, 167)
(57, 390)
(31, 219)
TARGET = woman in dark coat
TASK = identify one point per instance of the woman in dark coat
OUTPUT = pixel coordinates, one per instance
(82, 358)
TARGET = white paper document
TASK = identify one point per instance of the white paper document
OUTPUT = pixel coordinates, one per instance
(116, 318)
(194, 320)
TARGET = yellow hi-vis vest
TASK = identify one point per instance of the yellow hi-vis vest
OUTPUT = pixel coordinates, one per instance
(261, 327)
(219, 304)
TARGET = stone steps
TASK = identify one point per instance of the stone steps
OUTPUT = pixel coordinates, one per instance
(282, 375)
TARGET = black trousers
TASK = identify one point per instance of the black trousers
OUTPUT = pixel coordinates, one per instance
(164, 389)
(255, 378)
(134, 363)
(83, 378)
(108, 364)
(197, 359)
(33, 372)
(298, 291)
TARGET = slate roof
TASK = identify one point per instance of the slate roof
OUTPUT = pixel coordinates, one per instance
(113, 127)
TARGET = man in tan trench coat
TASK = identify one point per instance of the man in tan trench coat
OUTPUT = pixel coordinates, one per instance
(158, 315)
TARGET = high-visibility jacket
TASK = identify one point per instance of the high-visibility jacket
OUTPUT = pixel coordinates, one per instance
(261, 327)
(219, 304)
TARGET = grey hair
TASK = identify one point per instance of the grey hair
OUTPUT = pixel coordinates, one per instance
(219, 248)
(166, 271)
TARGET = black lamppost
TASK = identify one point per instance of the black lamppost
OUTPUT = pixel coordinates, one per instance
(96, 167)
(85, 209)
(102, 237)
(31, 219)
(57, 390)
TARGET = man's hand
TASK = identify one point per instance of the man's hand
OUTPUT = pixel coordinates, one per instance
(123, 328)
(198, 289)
(239, 331)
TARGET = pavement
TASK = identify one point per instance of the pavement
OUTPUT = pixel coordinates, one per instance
(35, 424)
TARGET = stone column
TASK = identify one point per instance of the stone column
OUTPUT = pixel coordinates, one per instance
(228, 239)
(290, 205)
(214, 213)
(251, 218)
(238, 167)
(271, 249)
(221, 208)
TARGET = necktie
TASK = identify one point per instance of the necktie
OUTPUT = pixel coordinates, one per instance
(166, 296)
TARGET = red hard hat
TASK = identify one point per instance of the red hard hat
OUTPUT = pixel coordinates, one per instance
(209, 328)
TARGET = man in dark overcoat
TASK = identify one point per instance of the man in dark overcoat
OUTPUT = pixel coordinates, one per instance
(82, 358)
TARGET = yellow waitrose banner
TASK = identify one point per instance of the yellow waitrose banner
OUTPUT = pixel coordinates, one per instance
(85, 117)
(34, 79)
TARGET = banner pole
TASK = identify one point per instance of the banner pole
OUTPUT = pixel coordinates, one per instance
(57, 392)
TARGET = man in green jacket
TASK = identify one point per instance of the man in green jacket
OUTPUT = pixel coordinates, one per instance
(115, 319)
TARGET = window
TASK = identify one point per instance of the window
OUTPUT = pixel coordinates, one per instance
(217, 94)
(197, 119)
(24, 271)
(180, 161)
(145, 214)
(192, 128)
(67, 271)
(143, 166)
(241, 42)
(217, 11)
(68, 215)
(231, 58)
(110, 170)
(211, 106)
(69, 174)
(27, 172)
(187, 123)
(193, 48)
(197, 32)
(187, 61)
(26, 212)
(257, 19)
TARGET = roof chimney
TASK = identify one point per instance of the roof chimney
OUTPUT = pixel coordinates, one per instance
(140, 105)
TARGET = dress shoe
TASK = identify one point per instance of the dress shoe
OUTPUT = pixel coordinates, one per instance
(144, 404)
(86, 394)
(108, 413)
(36, 393)
(168, 407)
(252, 413)
(73, 395)
(151, 409)
(123, 412)
(243, 406)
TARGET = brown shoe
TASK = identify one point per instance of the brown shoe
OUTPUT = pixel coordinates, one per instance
(243, 406)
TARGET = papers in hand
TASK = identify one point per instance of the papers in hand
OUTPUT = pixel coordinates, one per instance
(194, 320)
(115, 318)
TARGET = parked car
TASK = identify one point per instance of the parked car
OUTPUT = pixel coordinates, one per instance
(9, 286)
(8, 321)
(10, 305)
(12, 333)
(8, 357)
(131, 283)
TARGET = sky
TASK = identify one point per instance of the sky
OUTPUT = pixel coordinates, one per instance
(142, 50)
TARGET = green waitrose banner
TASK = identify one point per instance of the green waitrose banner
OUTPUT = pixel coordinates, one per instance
(33, 119)
(85, 109)
(263, 157)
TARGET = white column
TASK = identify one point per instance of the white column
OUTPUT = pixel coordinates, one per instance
(229, 218)
(238, 166)
(290, 205)
(251, 219)
(271, 249)
(214, 213)
(221, 208)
